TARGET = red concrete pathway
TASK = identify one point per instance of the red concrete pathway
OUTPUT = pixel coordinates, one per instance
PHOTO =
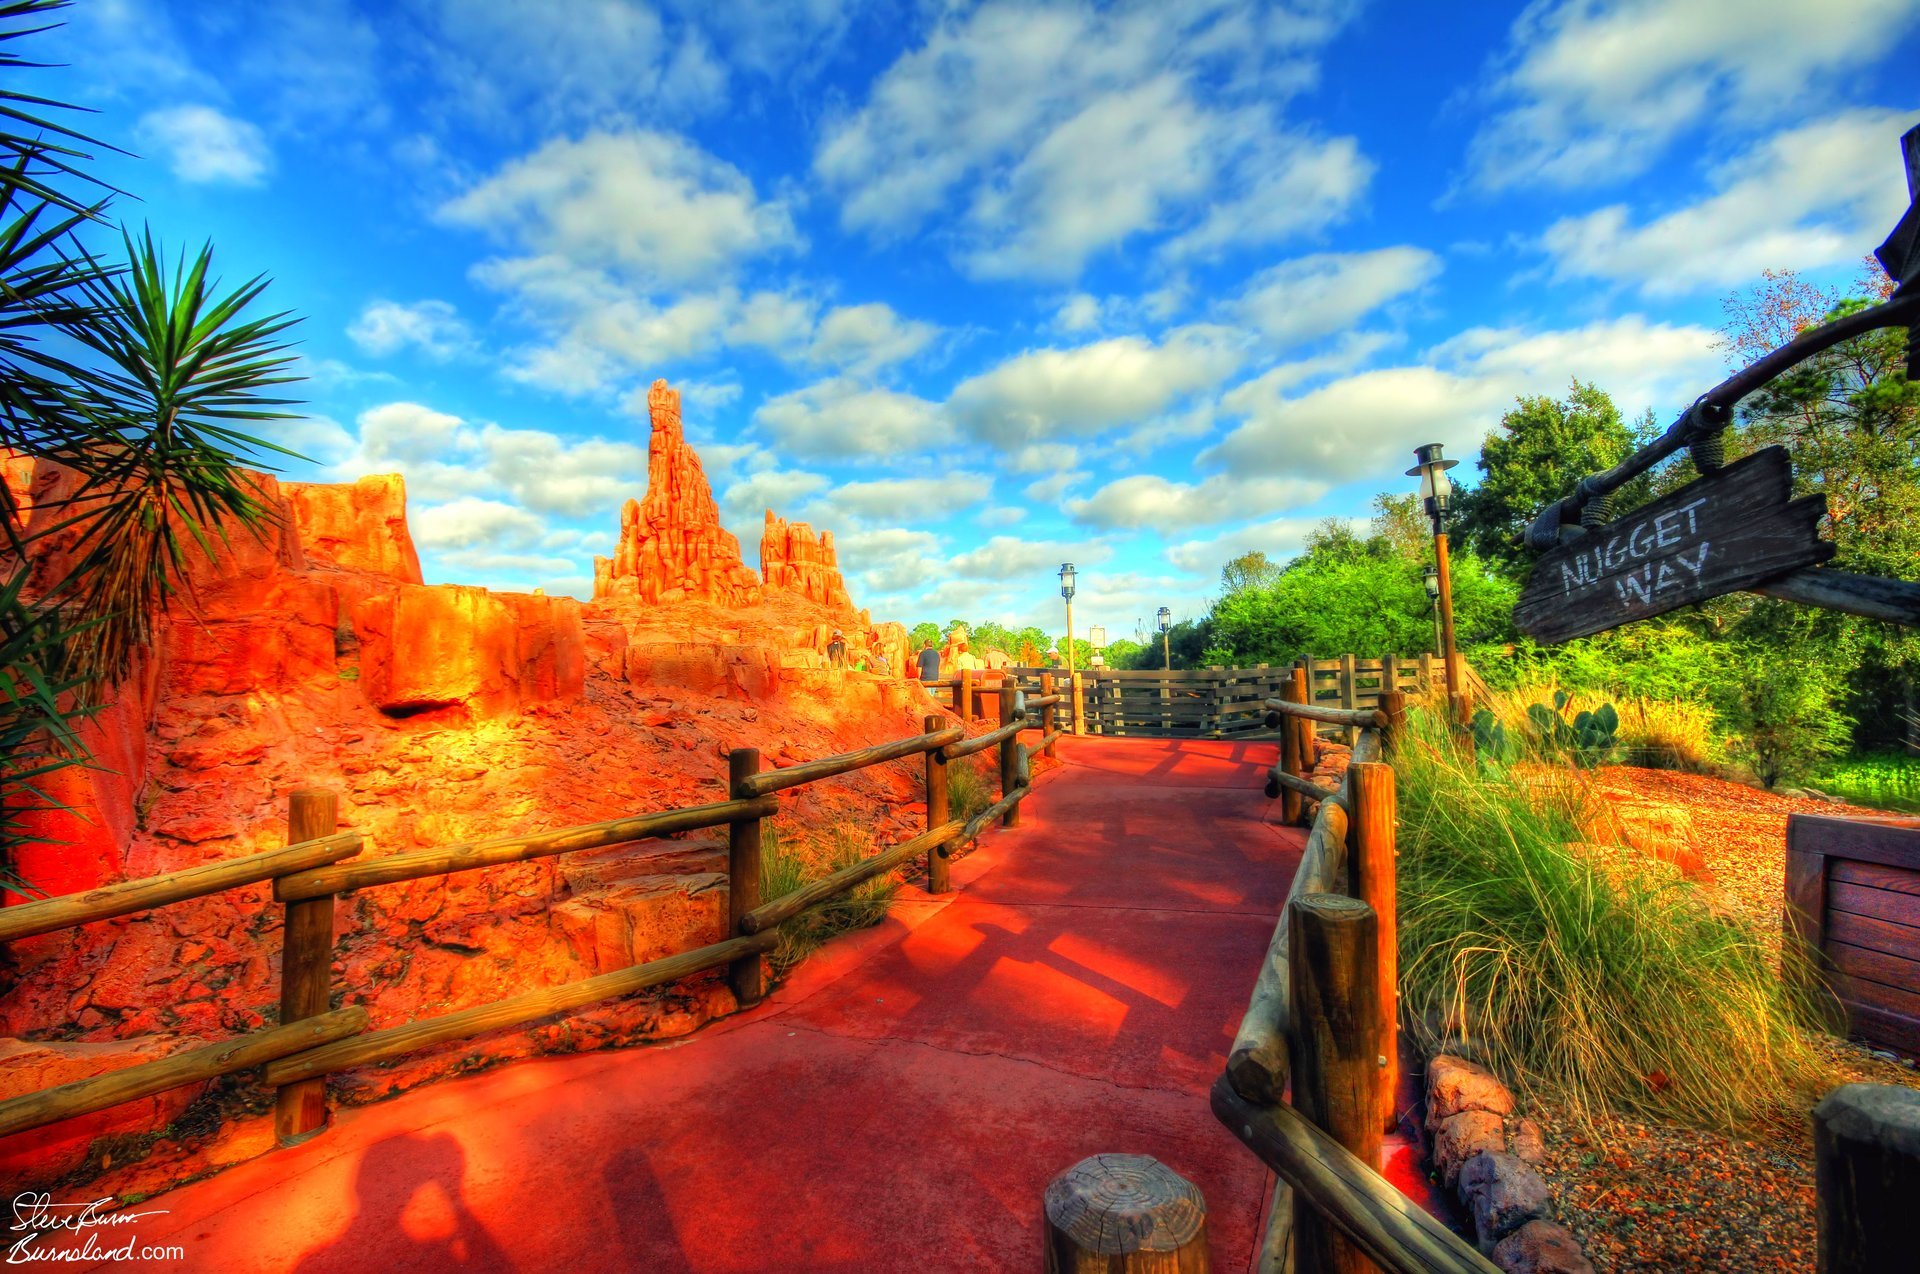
(900, 1104)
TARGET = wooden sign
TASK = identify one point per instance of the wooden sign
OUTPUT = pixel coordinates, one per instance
(1726, 532)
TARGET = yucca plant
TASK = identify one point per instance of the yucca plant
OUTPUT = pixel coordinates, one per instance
(132, 376)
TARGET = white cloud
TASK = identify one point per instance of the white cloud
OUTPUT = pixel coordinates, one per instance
(746, 501)
(1001, 515)
(1815, 195)
(1010, 557)
(1597, 92)
(1312, 296)
(1366, 426)
(842, 417)
(1149, 500)
(471, 522)
(649, 204)
(435, 328)
(1071, 128)
(1279, 539)
(866, 338)
(205, 146)
(1089, 389)
(908, 500)
(891, 559)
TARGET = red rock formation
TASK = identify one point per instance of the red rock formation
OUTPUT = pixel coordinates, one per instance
(792, 558)
(362, 527)
(451, 646)
(672, 547)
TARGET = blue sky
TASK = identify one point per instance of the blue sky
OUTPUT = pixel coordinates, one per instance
(984, 287)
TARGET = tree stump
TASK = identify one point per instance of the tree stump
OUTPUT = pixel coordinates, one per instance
(1866, 1165)
(1125, 1214)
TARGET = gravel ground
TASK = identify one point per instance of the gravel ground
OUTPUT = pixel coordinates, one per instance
(1655, 1197)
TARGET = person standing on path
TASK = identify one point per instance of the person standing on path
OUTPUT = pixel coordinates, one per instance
(929, 662)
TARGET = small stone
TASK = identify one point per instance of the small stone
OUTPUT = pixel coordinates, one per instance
(1455, 1085)
(1461, 1137)
(1541, 1247)
(1504, 1193)
(1527, 1143)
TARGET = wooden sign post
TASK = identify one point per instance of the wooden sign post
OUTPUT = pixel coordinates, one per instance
(1726, 532)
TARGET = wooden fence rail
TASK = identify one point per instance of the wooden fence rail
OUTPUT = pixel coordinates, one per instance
(314, 1039)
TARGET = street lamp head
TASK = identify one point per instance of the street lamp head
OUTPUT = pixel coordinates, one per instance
(1066, 580)
(1436, 489)
(1166, 619)
(1432, 580)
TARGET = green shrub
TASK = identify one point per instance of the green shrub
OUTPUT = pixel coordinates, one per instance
(789, 861)
(1593, 977)
(1784, 710)
(1887, 780)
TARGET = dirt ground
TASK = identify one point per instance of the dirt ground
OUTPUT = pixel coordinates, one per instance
(1652, 1197)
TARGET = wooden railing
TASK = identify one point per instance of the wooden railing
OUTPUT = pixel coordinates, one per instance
(1310, 1081)
(314, 1039)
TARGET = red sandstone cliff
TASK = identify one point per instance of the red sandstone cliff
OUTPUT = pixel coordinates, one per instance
(793, 558)
(672, 547)
(313, 656)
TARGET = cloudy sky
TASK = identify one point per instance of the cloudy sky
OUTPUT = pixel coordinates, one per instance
(984, 287)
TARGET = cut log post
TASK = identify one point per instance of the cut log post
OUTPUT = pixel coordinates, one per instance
(1372, 841)
(938, 881)
(1303, 693)
(1011, 752)
(1046, 718)
(306, 968)
(969, 700)
(960, 695)
(743, 877)
(1124, 1214)
(1426, 674)
(1333, 1044)
(1077, 684)
(1866, 1174)
(1292, 808)
(1394, 704)
(1349, 692)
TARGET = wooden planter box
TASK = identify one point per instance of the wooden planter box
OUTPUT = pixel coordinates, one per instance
(1853, 897)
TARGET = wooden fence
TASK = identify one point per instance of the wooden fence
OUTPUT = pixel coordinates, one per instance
(1853, 910)
(313, 1039)
(1322, 1023)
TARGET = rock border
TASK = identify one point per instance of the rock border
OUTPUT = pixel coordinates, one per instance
(1486, 1154)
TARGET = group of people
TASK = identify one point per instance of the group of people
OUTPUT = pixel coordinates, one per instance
(933, 664)
(860, 661)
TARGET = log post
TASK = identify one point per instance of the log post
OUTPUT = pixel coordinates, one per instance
(1303, 693)
(1866, 1175)
(1047, 717)
(1292, 807)
(1349, 692)
(1372, 840)
(1426, 673)
(963, 700)
(1333, 1042)
(306, 968)
(1009, 753)
(1394, 704)
(937, 867)
(1124, 1214)
(743, 877)
(1077, 687)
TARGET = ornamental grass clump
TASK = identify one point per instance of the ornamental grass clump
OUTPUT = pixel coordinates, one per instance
(1596, 979)
(790, 861)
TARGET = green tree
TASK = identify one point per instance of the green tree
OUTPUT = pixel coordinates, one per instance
(1542, 447)
(1252, 569)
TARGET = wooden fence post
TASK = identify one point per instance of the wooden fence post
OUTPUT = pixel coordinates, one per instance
(743, 876)
(306, 968)
(1009, 752)
(1303, 693)
(1292, 806)
(1426, 673)
(1047, 718)
(1866, 1174)
(964, 702)
(1077, 688)
(1334, 1045)
(937, 866)
(1124, 1214)
(1374, 840)
(1394, 704)
(1349, 693)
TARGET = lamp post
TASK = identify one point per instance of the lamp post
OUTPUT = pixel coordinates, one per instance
(1166, 638)
(1066, 591)
(1436, 490)
(1432, 580)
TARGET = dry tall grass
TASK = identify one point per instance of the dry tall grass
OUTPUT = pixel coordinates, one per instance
(799, 857)
(1663, 734)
